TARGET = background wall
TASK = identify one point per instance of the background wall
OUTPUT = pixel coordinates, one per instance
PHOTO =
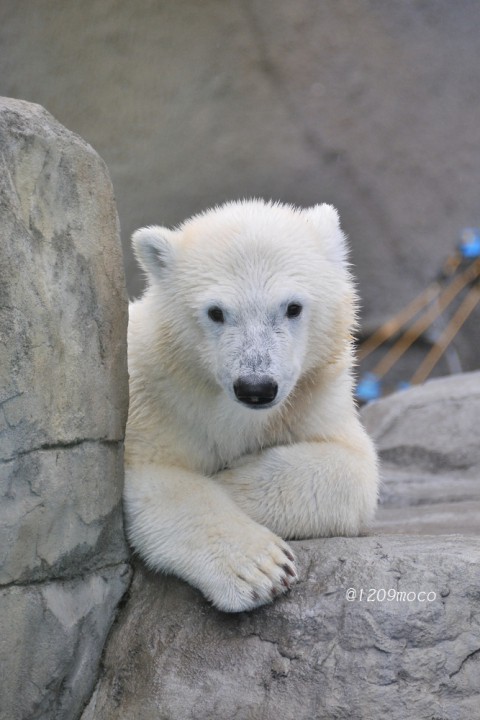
(370, 105)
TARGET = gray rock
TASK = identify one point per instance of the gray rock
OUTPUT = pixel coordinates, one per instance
(63, 377)
(391, 652)
(370, 105)
(52, 635)
(432, 427)
(428, 441)
(63, 405)
(313, 654)
(63, 304)
(60, 512)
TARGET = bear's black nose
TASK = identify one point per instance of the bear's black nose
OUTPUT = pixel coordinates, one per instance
(255, 392)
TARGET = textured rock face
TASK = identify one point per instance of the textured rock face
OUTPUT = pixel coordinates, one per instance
(372, 106)
(429, 444)
(407, 646)
(313, 654)
(50, 648)
(63, 404)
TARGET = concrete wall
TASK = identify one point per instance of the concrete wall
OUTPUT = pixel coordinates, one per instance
(371, 105)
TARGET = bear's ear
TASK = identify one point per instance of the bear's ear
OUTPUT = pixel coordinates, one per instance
(324, 218)
(153, 249)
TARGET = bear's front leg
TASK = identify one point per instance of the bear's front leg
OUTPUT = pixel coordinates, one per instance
(308, 489)
(186, 524)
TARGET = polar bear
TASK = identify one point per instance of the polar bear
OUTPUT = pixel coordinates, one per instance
(242, 430)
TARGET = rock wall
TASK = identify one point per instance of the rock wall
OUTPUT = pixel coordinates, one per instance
(377, 626)
(429, 448)
(371, 106)
(63, 405)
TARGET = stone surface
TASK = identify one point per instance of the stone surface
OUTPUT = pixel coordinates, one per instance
(51, 639)
(392, 652)
(428, 441)
(63, 304)
(63, 377)
(63, 406)
(312, 654)
(61, 512)
(369, 105)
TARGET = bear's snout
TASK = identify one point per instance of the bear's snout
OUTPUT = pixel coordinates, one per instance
(255, 392)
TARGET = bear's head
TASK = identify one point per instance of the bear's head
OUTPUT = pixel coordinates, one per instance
(251, 295)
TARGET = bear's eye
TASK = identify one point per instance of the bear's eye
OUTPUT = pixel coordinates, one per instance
(293, 310)
(216, 314)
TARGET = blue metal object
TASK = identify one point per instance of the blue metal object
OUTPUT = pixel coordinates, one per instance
(368, 388)
(470, 243)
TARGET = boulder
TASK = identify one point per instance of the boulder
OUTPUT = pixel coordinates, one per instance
(314, 653)
(377, 626)
(52, 640)
(63, 405)
(428, 442)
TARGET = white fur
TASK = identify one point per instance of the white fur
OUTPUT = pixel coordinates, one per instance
(212, 485)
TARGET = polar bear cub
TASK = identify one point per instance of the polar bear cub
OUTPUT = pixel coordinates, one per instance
(242, 430)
